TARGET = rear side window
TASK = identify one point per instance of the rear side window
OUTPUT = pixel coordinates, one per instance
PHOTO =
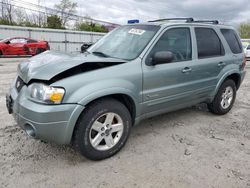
(232, 40)
(248, 48)
(208, 43)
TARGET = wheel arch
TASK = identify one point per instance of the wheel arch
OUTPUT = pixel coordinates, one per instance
(235, 76)
(125, 99)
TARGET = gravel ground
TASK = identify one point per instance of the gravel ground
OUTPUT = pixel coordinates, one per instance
(187, 148)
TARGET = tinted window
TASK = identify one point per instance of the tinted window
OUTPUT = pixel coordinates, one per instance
(208, 43)
(232, 40)
(32, 41)
(248, 48)
(177, 41)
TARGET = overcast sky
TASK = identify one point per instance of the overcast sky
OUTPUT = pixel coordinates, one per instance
(119, 11)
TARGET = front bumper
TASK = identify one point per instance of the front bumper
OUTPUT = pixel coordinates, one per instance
(53, 123)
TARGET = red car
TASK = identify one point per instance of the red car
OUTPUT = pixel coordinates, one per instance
(22, 46)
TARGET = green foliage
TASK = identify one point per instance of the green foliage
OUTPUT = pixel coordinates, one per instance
(245, 30)
(28, 24)
(54, 22)
(5, 22)
(85, 26)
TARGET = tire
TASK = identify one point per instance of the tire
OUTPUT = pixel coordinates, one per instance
(1, 53)
(85, 134)
(39, 50)
(218, 105)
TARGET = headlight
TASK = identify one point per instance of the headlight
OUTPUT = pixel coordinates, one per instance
(46, 94)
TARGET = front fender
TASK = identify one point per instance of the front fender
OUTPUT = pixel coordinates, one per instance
(95, 90)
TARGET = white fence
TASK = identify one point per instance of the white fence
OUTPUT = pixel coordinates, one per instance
(245, 41)
(62, 40)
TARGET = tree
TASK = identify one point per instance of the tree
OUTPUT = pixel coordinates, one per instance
(90, 26)
(66, 9)
(20, 16)
(54, 22)
(245, 30)
(7, 11)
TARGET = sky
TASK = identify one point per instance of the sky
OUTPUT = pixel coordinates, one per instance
(119, 11)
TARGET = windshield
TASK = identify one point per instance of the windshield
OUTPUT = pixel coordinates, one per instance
(4, 40)
(126, 42)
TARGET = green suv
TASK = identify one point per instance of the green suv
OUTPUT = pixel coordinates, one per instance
(137, 71)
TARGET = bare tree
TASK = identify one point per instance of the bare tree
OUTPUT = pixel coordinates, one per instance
(20, 15)
(66, 9)
(7, 10)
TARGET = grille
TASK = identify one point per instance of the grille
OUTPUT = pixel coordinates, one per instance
(19, 84)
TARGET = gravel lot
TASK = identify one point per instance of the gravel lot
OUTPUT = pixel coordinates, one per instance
(187, 148)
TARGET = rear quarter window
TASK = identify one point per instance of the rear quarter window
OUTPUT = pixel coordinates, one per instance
(232, 40)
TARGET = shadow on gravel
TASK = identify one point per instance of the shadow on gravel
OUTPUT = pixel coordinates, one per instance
(17, 146)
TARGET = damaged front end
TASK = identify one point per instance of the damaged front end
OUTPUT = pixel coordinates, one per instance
(52, 66)
(40, 86)
(39, 73)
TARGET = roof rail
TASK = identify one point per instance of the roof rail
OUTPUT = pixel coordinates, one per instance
(204, 21)
(170, 19)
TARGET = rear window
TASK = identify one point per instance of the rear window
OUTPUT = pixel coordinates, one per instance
(232, 40)
(208, 43)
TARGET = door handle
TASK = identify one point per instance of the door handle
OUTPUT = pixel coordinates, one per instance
(220, 64)
(186, 69)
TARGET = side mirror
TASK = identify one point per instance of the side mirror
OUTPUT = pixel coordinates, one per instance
(162, 57)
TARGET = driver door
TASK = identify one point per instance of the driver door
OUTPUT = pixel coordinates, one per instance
(16, 46)
(171, 85)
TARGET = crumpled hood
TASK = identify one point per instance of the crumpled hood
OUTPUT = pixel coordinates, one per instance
(51, 63)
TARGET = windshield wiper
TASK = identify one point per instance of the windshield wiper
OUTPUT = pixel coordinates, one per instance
(100, 54)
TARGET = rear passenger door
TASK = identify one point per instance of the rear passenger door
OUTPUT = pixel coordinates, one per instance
(209, 60)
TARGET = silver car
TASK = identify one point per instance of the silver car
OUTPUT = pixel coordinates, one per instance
(137, 71)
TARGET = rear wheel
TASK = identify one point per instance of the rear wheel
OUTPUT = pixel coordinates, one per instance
(102, 130)
(224, 99)
(1, 53)
(39, 50)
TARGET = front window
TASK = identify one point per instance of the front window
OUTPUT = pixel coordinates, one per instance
(126, 42)
(177, 41)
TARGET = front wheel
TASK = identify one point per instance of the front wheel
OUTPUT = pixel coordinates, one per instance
(224, 99)
(102, 129)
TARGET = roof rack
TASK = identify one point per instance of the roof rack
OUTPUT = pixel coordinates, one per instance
(170, 19)
(204, 21)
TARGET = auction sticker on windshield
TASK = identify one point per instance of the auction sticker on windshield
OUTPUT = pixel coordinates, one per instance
(136, 31)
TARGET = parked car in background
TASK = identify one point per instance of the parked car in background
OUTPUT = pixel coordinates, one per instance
(85, 46)
(22, 46)
(247, 51)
